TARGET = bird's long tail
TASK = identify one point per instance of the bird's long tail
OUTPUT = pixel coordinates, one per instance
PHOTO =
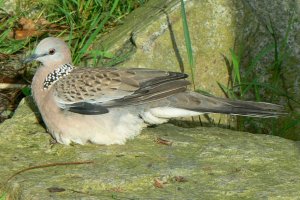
(207, 104)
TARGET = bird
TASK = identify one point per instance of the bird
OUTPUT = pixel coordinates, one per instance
(112, 105)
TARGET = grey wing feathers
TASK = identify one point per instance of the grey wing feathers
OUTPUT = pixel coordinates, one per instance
(209, 104)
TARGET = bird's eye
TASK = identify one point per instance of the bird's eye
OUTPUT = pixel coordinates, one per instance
(51, 51)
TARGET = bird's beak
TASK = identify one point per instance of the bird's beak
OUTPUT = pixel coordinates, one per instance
(30, 58)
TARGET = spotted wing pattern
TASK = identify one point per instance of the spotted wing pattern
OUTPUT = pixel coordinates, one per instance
(93, 90)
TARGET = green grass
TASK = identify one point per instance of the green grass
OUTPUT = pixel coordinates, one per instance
(80, 22)
(87, 20)
(3, 196)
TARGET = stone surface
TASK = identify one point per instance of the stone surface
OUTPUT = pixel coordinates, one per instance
(278, 15)
(201, 163)
(254, 18)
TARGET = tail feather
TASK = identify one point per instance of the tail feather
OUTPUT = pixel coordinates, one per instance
(208, 104)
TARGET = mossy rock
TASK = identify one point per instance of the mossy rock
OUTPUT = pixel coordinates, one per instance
(193, 163)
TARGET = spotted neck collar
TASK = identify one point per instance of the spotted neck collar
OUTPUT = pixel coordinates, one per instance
(61, 71)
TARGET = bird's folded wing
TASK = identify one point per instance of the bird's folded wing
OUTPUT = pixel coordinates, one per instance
(93, 90)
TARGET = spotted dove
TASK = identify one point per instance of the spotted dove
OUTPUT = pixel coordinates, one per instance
(110, 105)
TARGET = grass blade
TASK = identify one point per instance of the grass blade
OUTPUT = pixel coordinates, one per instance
(188, 42)
(236, 66)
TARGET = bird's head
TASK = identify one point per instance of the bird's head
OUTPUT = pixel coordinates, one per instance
(51, 51)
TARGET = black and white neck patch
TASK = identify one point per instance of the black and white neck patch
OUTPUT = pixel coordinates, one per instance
(62, 71)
